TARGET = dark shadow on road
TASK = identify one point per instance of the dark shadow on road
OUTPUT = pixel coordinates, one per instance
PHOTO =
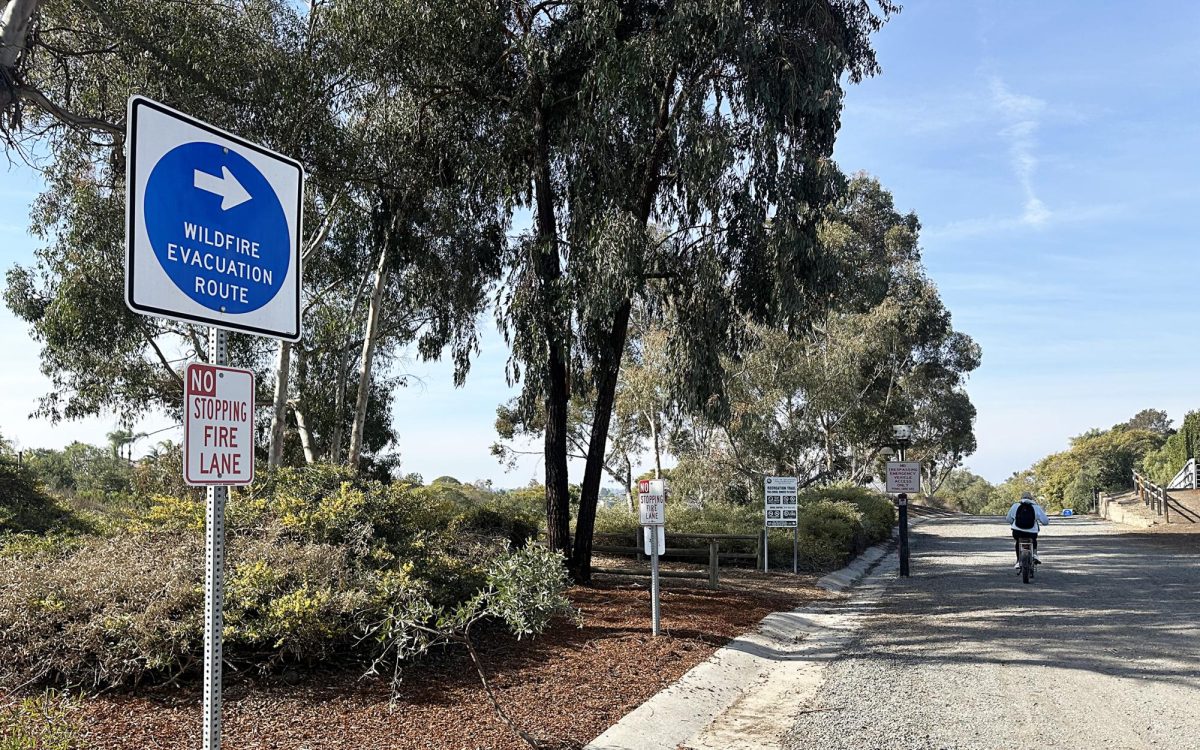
(1116, 604)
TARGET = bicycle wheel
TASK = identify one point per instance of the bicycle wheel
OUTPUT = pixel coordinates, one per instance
(1026, 566)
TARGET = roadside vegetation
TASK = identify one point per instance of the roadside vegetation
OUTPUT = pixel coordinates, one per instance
(1098, 459)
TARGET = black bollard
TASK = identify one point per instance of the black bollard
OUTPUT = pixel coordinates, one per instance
(902, 501)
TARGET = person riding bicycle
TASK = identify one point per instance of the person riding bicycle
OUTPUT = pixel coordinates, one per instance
(1026, 518)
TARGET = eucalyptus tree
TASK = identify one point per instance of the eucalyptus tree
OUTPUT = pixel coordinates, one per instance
(387, 257)
(84, 58)
(682, 147)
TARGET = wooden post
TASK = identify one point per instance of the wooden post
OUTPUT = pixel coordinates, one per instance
(1166, 507)
(713, 564)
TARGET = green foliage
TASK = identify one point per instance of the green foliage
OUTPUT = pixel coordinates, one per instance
(524, 589)
(39, 722)
(965, 491)
(1162, 465)
(831, 532)
(1154, 420)
(835, 523)
(315, 554)
(24, 507)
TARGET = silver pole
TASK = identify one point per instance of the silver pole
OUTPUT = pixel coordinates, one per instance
(796, 548)
(214, 580)
(654, 608)
(766, 549)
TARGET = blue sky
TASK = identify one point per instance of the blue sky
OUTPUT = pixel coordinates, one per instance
(1050, 150)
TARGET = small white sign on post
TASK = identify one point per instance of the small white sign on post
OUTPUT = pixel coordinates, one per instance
(218, 426)
(652, 502)
(648, 543)
(904, 476)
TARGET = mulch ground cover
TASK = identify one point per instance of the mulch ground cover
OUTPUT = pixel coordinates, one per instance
(564, 687)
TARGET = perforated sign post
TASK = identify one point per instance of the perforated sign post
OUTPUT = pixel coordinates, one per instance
(213, 226)
(652, 509)
(781, 512)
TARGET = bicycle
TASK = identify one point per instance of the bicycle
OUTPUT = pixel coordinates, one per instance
(1026, 558)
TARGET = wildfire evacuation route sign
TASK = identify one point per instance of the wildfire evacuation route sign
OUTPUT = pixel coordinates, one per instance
(218, 425)
(214, 222)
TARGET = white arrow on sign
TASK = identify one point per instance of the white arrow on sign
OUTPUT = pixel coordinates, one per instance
(231, 191)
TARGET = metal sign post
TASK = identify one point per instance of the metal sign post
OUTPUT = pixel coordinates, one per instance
(214, 581)
(903, 477)
(213, 225)
(795, 550)
(652, 503)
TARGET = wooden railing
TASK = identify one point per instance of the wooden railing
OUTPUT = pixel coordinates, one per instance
(711, 550)
(1153, 496)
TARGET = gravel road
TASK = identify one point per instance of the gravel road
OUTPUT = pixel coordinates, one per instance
(1102, 650)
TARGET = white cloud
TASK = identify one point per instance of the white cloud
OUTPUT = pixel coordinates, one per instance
(1022, 113)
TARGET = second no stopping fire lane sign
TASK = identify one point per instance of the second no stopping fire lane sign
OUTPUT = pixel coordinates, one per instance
(218, 425)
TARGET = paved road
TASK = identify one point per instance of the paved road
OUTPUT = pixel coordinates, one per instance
(1101, 651)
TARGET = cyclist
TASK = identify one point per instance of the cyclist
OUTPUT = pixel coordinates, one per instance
(1026, 518)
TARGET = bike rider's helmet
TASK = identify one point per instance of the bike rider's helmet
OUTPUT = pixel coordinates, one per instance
(1027, 495)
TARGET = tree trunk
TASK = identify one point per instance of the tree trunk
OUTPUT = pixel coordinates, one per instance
(283, 367)
(368, 353)
(609, 369)
(14, 26)
(306, 440)
(630, 494)
(557, 395)
(653, 422)
(339, 405)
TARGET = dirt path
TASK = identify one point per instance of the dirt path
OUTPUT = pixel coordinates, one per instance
(1102, 650)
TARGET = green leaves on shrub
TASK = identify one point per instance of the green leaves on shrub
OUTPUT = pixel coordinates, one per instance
(39, 722)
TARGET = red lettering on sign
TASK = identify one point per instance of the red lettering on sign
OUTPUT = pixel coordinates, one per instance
(202, 380)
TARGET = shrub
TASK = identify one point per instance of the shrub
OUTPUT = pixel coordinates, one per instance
(313, 553)
(106, 613)
(24, 507)
(39, 722)
(831, 532)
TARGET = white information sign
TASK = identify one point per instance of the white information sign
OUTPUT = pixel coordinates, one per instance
(214, 222)
(780, 493)
(904, 476)
(652, 501)
(648, 542)
(218, 425)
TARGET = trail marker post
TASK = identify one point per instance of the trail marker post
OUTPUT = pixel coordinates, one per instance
(213, 227)
(652, 506)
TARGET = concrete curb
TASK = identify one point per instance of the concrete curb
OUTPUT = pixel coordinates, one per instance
(840, 580)
(742, 668)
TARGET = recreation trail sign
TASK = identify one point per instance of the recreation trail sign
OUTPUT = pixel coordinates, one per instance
(214, 221)
(212, 237)
(780, 511)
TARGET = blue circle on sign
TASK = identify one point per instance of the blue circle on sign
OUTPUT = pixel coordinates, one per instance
(217, 227)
